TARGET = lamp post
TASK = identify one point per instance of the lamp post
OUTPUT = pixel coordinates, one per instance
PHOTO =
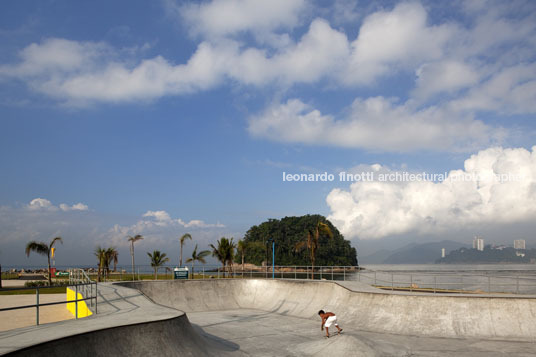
(273, 256)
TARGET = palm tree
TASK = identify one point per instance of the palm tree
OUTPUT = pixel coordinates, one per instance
(113, 256)
(43, 249)
(133, 240)
(157, 260)
(182, 239)
(100, 253)
(200, 257)
(224, 252)
(311, 243)
(241, 249)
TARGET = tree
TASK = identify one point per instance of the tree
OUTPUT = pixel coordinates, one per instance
(100, 253)
(200, 257)
(105, 256)
(133, 240)
(311, 243)
(43, 249)
(182, 239)
(241, 247)
(224, 251)
(113, 255)
(157, 260)
(287, 232)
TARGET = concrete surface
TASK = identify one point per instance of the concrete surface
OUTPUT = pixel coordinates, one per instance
(127, 324)
(512, 318)
(13, 283)
(27, 317)
(267, 318)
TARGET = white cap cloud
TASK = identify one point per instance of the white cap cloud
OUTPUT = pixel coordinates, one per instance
(372, 210)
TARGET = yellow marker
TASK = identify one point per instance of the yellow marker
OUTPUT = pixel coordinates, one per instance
(52, 251)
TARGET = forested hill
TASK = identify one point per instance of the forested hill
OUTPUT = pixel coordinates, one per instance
(287, 233)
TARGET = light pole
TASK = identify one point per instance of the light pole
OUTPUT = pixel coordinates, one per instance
(273, 257)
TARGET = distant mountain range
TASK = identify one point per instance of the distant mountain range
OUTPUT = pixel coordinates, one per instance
(413, 253)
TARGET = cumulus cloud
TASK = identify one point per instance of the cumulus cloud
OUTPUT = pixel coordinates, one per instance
(76, 207)
(443, 77)
(227, 17)
(158, 225)
(511, 91)
(374, 123)
(390, 40)
(442, 55)
(501, 189)
(42, 204)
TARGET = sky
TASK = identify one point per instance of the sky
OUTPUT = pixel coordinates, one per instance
(165, 117)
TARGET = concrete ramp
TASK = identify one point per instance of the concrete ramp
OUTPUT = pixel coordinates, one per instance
(128, 324)
(496, 317)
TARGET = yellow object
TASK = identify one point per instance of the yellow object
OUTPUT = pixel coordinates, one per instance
(52, 251)
(83, 310)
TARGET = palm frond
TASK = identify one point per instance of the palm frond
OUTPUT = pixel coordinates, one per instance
(136, 238)
(38, 247)
(57, 239)
(185, 236)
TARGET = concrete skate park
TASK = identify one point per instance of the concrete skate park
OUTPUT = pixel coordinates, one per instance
(265, 317)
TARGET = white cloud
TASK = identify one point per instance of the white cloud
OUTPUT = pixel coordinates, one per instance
(372, 210)
(491, 57)
(390, 40)
(220, 18)
(512, 91)
(75, 207)
(42, 204)
(445, 76)
(161, 216)
(158, 225)
(374, 123)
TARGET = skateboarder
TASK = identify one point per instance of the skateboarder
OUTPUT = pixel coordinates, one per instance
(328, 319)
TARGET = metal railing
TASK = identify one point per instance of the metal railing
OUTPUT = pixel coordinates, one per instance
(80, 279)
(450, 282)
(39, 304)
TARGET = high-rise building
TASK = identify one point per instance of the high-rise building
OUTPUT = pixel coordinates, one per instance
(478, 243)
(442, 252)
(519, 244)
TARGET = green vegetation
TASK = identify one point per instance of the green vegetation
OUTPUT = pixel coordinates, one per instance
(9, 276)
(43, 249)
(200, 257)
(157, 260)
(307, 233)
(182, 239)
(224, 252)
(105, 256)
(489, 255)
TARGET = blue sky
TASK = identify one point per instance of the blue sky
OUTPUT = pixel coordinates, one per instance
(165, 117)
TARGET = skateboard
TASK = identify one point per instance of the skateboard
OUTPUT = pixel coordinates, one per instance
(334, 334)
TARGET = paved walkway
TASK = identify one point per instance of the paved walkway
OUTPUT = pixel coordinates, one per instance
(27, 317)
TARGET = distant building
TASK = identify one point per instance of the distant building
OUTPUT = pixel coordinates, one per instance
(519, 254)
(442, 252)
(519, 244)
(478, 243)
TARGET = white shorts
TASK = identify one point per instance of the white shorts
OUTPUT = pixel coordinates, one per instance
(331, 320)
